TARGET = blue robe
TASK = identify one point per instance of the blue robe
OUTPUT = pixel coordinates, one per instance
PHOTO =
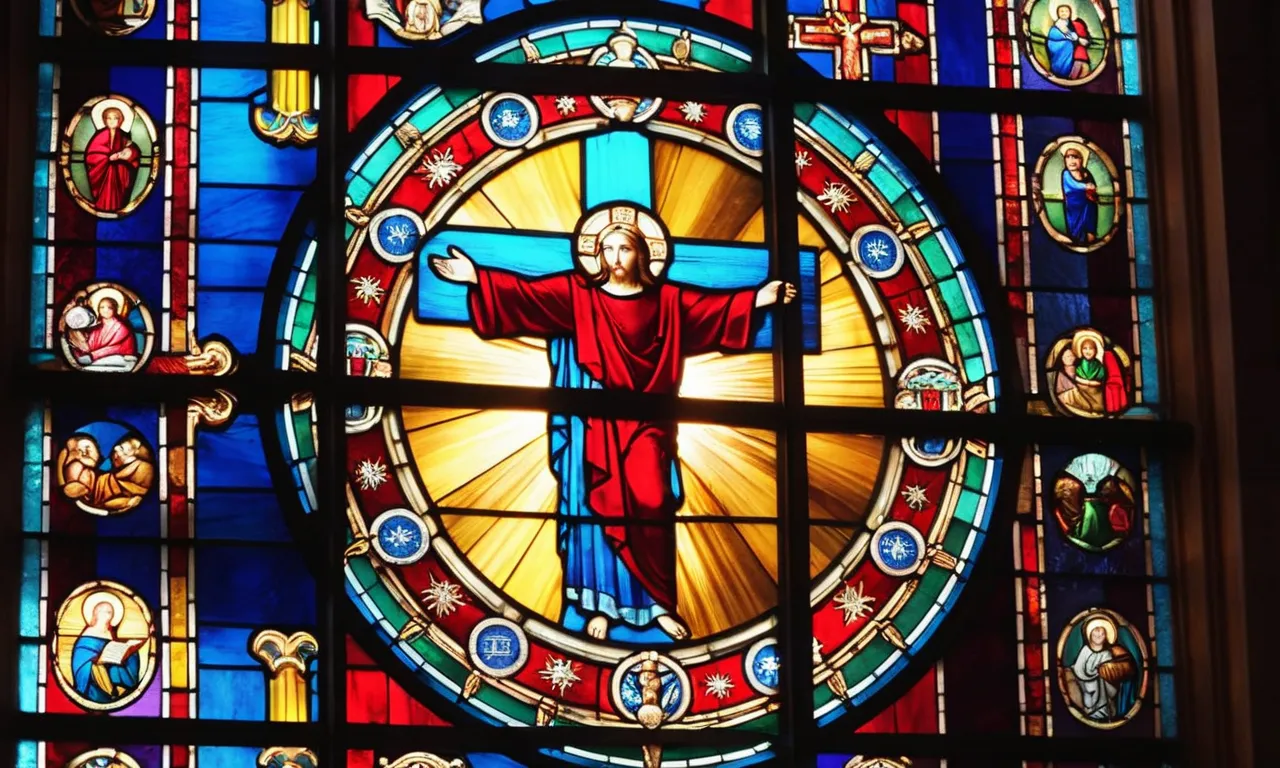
(83, 655)
(1062, 52)
(1080, 212)
(596, 580)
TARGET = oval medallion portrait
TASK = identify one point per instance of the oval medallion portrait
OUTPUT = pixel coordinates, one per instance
(114, 17)
(1077, 193)
(110, 156)
(1094, 502)
(104, 647)
(1066, 41)
(1089, 375)
(106, 328)
(1102, 668)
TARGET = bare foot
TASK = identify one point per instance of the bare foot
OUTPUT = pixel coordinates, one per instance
(598, 627)
(673, 625)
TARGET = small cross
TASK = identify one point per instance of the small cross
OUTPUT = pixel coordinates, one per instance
(851, 37)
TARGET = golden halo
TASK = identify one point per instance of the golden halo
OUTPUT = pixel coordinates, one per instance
(1098, 620)
(126, 109)
(590, 227)
(1084, 151)
(108, 292)
(1088, 334)
(94, 599)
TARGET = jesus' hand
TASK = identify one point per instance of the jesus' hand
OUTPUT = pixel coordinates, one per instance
(771, 291)
(457, 267)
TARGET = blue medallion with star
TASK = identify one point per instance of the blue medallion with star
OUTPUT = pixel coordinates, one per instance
(879, 251)
(510, 120)
(401, 537)
(747, 129)
(398, 235)
(898, 550)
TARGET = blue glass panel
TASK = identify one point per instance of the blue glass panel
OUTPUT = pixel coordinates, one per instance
(33, 471)
(224, 646)
(234, 20)
(271, 575)
(962, 43)
(234, 266)
(234, 315)
(1147, 332)
(617, 168)
(231, 153)
(252, 516)
(1159, 530)
(232, 457)
(233, 694)
(245, 214)
(230, 83)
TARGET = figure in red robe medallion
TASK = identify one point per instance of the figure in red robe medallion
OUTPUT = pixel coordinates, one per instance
(112, 160)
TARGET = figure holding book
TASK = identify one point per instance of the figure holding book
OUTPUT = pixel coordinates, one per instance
(108, 663)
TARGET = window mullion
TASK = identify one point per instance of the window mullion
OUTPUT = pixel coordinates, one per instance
(330, 407)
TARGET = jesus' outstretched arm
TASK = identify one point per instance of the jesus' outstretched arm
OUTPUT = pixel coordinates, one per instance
(503, 304)
(711, 321)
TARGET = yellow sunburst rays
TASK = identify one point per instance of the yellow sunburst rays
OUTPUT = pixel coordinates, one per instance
(848, 371)
(497, 461)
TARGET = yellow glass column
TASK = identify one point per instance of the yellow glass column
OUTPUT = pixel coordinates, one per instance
(290, 116)
(285, 660)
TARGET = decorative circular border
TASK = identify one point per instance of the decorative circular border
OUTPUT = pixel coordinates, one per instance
(375, 242)
(749, 665)
(83, 759)
(148, 330)
(949, 453)
(624, 666)
(1144, 665)
(373, 414)
(1037, 193)
(145, 677)
(731, 129)
(96, 24)
(64, 156)
(895, 526)
(1108, 34)
(522, 640)
(921, 227)
(855, 250)
(1104, 344)
(531, 109)
(130, 431)
(375, 536)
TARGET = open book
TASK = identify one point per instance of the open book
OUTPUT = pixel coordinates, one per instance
(116, 651)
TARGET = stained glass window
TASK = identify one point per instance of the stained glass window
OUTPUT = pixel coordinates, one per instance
(401, 371)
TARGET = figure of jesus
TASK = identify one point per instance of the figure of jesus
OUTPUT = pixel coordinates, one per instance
(619, 328)
(112, 160)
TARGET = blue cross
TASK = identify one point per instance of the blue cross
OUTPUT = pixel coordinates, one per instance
(616, 167)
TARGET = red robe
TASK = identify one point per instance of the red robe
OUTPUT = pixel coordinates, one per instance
(111, 181)
(1082, 51)
(637, 343)
(112, 337)
(1115, 393)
